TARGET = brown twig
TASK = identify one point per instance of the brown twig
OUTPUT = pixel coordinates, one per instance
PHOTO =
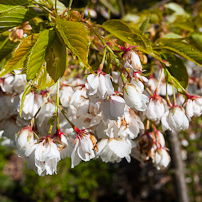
(177, 164)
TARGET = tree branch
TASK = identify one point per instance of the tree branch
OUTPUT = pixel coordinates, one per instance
(177, 164)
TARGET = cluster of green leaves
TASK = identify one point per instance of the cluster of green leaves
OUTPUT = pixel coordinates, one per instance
(43, 54)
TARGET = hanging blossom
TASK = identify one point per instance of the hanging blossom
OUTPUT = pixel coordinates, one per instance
(85, 144)
(132, 60)
(100, 91)
(175, 119)
(31, 104)
(24, 141)
(193, 106)
(156, 108)
(134, 97)
(113, 150)
(151, 147)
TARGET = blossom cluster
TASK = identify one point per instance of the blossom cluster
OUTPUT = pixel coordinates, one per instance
(105, 116)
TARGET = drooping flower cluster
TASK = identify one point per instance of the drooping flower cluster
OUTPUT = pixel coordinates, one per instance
(104, 116)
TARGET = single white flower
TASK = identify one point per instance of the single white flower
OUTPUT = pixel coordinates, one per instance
(193, 107)
(47, 157)
(112, 107)
(24, 141)
(132, 60)
(134, 97)
(161, 158)
(87, 115)
(65, 95)
(31, 105)
(156, 108)
(85, 144)
(113, 150)
(175, 120)
(6, 83)
(19, 82)
(78, 97)
(99, 87)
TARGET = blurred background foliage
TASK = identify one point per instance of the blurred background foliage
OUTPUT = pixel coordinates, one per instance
(95, 180)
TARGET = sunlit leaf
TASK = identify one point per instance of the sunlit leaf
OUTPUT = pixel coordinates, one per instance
(38, 52)
(128, 34)
(6, 47)
(19, 55)
(196, 40)
(177, 69)
(181, 48)
(56, 59)
(6, 8)
(75, 36)
(131, 36)
(16, 2)
(42, 80)
(144, 25)
(15, 16)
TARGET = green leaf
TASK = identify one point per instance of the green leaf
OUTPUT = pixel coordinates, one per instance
(42, 80)
(177, 69)
(27, 90)
(60, 6)
(144, 25)
(129, 35)
(6, 47)
(172, 35)
(38, 52)
(16, 2)
(56, 59)
(181, 48)
(75, 36)
(15, 17)
(19, 55)
(6, 8)
(175, 7)
(196, 40)
(173, 81)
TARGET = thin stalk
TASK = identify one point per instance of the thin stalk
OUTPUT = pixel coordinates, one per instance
(121, 7)
(64, 114)
(103, 60)
(50, 130)
(147, 89)
(70, 5)
(167, 97)
(44, 102)
(174, 97)
(56, 6)
(160, 79)
(57, 104)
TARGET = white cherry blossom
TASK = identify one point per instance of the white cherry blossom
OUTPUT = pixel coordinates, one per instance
(112, 107)
(156, 108)
(175, 120)
(83, 148)
(134, 97)
(132, 60)
(24, 140)
(113, 150)
(193, 107)
(31, 105)
(99, 87)
(47, 157)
